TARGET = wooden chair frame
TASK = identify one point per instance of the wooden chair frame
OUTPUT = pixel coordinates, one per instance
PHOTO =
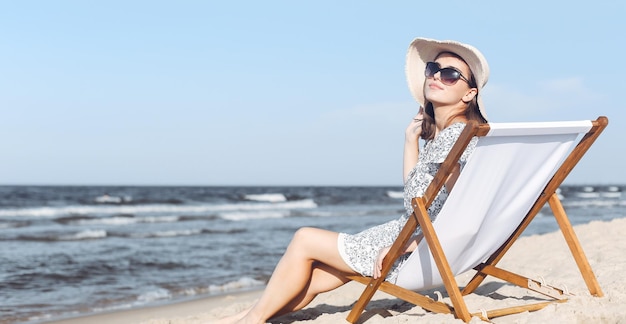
(420, 218)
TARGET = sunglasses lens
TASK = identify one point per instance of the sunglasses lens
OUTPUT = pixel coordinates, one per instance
(449, 76)
(431, 69)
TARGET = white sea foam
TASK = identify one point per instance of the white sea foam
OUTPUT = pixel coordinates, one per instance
(238, 216)
(588, 194)
(168, 233)
(143, 299)
(106, 199)
(127, 220)
(152, 209)
(243, 283)
(595, 203)
(395, 194)
(267, 197)
(151, 296)
(85, 235)
(611, 194)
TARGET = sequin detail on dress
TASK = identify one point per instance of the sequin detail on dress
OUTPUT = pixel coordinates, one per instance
(360, 250)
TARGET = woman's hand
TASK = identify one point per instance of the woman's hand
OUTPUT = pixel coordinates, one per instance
(414, 130)
(378, 267)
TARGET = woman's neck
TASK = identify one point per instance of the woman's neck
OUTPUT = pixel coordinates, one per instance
(445, 116)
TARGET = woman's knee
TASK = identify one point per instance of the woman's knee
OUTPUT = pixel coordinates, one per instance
(311, 239)
(300, 241)
(314, 240)
(303, 235)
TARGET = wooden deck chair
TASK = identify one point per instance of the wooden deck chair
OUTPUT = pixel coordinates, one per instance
(514, 170)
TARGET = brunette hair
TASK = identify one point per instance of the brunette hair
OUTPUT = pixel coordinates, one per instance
(472, 112)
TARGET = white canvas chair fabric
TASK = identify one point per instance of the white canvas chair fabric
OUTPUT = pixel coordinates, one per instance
(501, 181)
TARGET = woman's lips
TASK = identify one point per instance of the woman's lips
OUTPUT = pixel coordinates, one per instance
(434, 85)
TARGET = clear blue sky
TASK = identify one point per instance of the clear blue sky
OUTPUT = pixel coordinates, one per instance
(280, 92)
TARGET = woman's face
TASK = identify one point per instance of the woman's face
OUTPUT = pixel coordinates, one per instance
(441, 94)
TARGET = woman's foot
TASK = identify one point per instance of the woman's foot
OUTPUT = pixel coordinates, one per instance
(232, 319)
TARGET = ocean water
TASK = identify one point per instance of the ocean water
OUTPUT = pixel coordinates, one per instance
(72, 250)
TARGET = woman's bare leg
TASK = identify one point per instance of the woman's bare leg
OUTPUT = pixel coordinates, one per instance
(298, 276)
(323, 279)
(232, 318)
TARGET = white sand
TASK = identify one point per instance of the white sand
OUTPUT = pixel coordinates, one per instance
(545, 256)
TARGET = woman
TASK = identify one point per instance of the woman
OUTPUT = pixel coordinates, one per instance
(446, 79)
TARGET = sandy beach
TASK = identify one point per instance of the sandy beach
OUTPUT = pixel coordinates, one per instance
(538, 256)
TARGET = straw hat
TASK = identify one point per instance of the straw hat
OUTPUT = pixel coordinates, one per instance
(424, 50)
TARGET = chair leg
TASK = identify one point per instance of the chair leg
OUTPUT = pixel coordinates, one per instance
(574, 246)
(366, 296)
(460, 308)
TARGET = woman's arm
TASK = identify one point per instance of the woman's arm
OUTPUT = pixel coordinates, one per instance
(411, 143)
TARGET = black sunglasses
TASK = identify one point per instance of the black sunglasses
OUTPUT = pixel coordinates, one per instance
(448, 75)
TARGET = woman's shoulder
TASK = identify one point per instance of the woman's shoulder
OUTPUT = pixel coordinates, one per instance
(448, 134)
(453, 131)
(445, 140)
(456, 127)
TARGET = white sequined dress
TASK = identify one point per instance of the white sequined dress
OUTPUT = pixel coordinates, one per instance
(360, 250)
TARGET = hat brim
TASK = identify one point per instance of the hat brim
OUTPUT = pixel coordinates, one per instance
(423, 50)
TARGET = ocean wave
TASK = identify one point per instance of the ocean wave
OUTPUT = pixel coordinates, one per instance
(591, 192)
(160, 294)
(120, 220)
(55, 237)
(395, 194)
(85, 235)
(351, 211)
(5, 225)
(242, 283)
(239, 216)
(101, 234)
(154, 295)
(611, 194)
(176, 233)
(151, 209)
(605, 203)
(167, 233)
(267, 197)
(587, 194)
(107, 199)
